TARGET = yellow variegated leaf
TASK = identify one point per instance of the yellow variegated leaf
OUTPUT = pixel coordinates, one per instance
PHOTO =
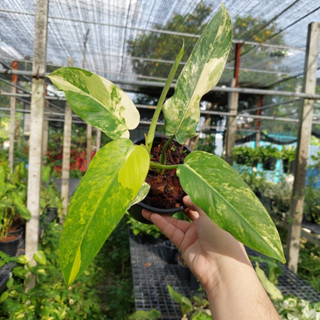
(97, 101)
(200, 74)
(114, 178)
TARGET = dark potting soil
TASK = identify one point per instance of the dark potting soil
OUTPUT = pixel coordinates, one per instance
(166, 191)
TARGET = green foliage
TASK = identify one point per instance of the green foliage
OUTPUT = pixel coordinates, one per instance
(49, 193)
(161, 46)
(118, 170)
(139, 228)
(268, 152)
(288, 153)
(13, 196)
(309, 263)
(196, 308)
(206, 144)
(296, 308)
(115, 283)
(145, 315)
(312, 203)
(50, 299)
(245, 155)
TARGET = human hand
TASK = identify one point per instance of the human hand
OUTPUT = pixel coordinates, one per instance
(206, 248)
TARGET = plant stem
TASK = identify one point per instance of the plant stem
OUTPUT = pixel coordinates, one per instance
(164, 92)
(157, 165)
(163, 156)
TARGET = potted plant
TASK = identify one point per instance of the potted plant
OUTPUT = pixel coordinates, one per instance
(12, 207)
(288, 156)
(116, 176)
(269, 156)
(245, 155)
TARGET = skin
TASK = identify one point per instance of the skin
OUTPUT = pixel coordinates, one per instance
(220, 263)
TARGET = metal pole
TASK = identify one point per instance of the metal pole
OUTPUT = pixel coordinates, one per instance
(13, 105)
(89, 127)
(37, 109)
(258, 132)
(161, 84)
(66, 155)
(297, 199)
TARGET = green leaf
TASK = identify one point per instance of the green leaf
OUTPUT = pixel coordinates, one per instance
(23, 259)
(114, 177)
(179, 298)
(10, 282)
(97, 101)
(145, 315)
(200, 74)
(4, 296)
(40, 257)
(222, 193)
(23, 210)
(141, 194)
(271, 289)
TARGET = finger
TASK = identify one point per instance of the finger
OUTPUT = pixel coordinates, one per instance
(146, 214)
(193, 215)
(171, 231)
(190, 205)
(180, 224)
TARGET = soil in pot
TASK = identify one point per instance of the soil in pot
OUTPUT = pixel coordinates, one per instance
(166, 194)
(166, 191)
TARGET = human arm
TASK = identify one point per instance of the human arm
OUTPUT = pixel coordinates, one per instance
(220, 263)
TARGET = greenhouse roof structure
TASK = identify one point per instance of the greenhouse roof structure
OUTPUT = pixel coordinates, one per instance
(135, 41)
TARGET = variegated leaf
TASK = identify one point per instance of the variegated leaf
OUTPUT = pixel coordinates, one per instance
(97, 101)
(220, 191)
(200, 74)
(114, 177)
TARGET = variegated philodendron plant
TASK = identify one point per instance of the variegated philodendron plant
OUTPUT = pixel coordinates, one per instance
(116, 175)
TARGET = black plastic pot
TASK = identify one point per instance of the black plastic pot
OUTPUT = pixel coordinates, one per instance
(10, 247)
(269, 164)
(169, 252)
(183, 270)
(136, 210)
(288, 167)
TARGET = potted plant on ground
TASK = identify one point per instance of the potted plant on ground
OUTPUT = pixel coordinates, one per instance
(116, 177)
(12, 207)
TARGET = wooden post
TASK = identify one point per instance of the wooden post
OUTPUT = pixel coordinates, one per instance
(89, 126)
(233, 108)
(66, 155)
(13, 104)
(258, 122)
(37, 111)
(297, 199)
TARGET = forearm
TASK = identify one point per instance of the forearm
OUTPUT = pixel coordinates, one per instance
(237, 294)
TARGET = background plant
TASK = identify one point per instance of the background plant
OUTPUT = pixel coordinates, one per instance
(13, 196)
